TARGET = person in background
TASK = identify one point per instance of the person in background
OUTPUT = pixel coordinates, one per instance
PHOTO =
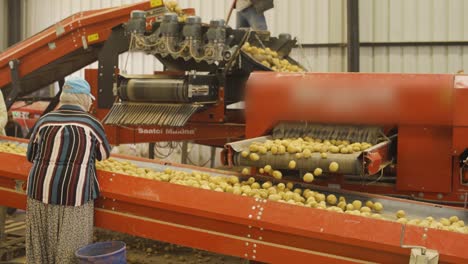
(3, 115)
(3, 122)
(62, 183)
(250, 13)
(12, 128)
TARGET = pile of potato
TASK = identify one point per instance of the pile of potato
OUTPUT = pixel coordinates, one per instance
(173, 7)
(270, 59)
(12, 148)
(281, 192)
(302, 148)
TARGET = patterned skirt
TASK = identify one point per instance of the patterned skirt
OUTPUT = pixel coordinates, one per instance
(55, 232)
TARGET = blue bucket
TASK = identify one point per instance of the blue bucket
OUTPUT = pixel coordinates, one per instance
(110, 252)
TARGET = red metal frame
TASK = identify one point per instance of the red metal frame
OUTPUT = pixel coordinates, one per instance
(429, 111)
(210, 126)
(242, 226)
(95, 26)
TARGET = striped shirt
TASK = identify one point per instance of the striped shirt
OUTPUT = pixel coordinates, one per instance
(63, 148)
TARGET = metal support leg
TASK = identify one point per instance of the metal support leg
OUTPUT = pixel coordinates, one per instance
(183, 158)
(353, 35)
(56, 98)
(151, 150)
(15, 84)
(3, 214)
(213, 157)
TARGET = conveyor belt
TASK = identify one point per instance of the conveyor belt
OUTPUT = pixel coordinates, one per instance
(279, 231)
(418, 210)
(349, 163)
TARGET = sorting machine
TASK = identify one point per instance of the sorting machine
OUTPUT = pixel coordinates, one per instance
(205, 70)
(417, 123)
(253, 228)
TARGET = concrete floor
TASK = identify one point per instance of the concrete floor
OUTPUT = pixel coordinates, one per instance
(15, 225)
(139, 250)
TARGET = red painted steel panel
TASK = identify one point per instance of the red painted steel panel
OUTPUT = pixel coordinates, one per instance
(347, 98)
(424, 159)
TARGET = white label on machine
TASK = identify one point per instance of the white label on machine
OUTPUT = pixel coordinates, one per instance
(168, 131)
(461, 82)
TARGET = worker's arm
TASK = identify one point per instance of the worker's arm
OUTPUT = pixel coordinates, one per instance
(102, 146)
(32, 145)
(3, 114)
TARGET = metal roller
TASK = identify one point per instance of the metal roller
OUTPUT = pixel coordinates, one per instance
(369, 134)
(349, 163)
(154, 90)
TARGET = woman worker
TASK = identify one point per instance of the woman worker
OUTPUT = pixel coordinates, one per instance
(62, 183)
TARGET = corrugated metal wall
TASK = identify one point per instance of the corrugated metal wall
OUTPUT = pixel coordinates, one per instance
(320, 21)
(3, 24)
(311, 21)
(411, 21)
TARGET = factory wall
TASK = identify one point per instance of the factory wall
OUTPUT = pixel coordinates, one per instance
(3, 25)
(317, 21)
(414, 21)
(313, 22)
(320, 22)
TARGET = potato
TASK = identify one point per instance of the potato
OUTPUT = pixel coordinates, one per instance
(334, 149)
(318, 171)
(402, 220)
(445, 221)
(376, 216)
(370, 204)
(255, 185)
(267, 185)
(292, 164)
(323, 155)
(400, 214)
(365, 209)
(281, 186)
(267, 168)
(333, 167)
(357, 204)
(281, 149)
(254, 156)
(342, 205)
(245, 171)
(310, 200)
(454, 219)
(331, 199)
(349, 207)
(274, 150)
(298, 191)
(290, 185)
(306, 153)
(262, 150)
(320, 197)
(308, 177)
(274, 197)
(253, 148)
(378, 207)
(277, 174)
